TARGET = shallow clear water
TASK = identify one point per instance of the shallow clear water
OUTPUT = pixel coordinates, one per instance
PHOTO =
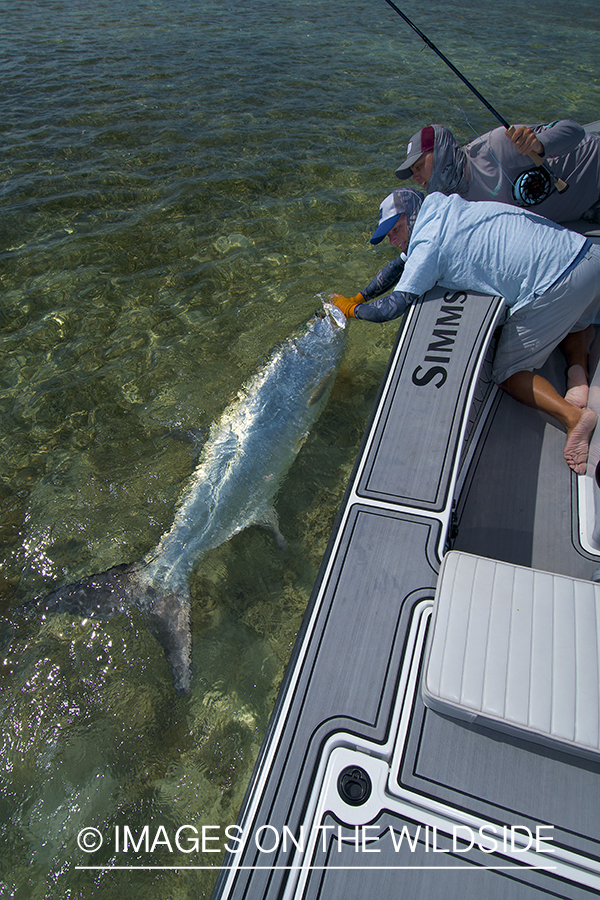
(180, 180)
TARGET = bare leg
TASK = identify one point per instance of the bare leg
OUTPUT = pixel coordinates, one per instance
(576, 347)
(534, 391)
(578, 388)
(576, 350)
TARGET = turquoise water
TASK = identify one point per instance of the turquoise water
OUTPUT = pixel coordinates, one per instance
(180, 181)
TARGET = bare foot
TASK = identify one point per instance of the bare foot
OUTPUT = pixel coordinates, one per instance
(577, 387)
(578, 441)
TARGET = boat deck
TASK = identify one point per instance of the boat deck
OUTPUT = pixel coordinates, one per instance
(359, 787)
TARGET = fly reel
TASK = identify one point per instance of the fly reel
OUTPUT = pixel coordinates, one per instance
(532, 187)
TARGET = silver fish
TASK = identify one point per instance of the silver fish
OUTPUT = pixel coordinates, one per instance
(248, 452)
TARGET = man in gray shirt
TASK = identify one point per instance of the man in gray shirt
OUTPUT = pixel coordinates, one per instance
(496, 167)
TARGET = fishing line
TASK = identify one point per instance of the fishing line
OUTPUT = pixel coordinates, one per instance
(448, 94)
(529, 186)
(456, 101)
(478, 134)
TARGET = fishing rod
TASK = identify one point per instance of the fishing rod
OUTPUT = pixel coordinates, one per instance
(539, 162)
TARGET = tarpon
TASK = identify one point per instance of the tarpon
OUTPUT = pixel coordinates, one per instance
(247, 454)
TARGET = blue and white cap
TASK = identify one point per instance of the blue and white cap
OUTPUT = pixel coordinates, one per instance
(402, 200)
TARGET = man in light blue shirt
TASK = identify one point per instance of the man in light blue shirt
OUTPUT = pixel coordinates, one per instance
(549, 277)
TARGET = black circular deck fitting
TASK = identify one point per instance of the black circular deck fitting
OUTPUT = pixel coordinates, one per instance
(597, 473)
(354, 785)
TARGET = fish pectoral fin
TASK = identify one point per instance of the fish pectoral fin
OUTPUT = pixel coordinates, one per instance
(169, 619)
(300, 443)
(196, 437)
(270, 520)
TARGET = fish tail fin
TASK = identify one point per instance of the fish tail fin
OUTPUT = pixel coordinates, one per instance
(114, 591)
(101, 595)
(169, 619)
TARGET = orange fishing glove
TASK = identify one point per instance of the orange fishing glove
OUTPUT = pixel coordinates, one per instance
(347, 304)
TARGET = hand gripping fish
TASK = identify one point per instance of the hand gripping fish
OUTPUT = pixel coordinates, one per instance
(248, 452)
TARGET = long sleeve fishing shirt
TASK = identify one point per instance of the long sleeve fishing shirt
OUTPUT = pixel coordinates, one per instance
(487, 247)
(493, 164)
